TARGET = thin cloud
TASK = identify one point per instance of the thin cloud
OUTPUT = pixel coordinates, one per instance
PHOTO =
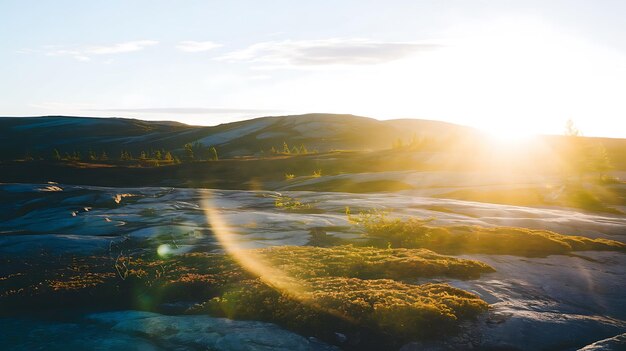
(188, 110)
(197, 46)
(84, 53)
(335, 51)
(128, 46)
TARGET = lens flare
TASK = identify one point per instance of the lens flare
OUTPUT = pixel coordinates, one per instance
(259, 266)
(249, 259)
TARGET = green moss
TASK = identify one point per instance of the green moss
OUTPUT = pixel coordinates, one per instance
(416, 233)
(198, 275)
(339, 289)
(332, 304)
(369, 262)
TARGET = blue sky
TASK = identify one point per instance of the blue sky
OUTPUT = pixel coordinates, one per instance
(511, 67)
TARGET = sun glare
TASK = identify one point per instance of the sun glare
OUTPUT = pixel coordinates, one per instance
(509, 133)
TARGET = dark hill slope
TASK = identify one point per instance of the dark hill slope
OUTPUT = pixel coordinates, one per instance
(38, 136)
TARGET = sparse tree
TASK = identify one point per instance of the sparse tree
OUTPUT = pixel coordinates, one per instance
(92, 155)
(126, 155)
(570, 129)
(285, 148)
(398, 144)
(56, 155)
(581, 155)
(189, 151)
(168, 156)
(213, 152)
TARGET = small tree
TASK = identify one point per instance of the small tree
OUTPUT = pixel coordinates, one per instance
(56, 155)
(570, 129)
(189, 151)
(398, 144)
(92, 155)
(104, 156)
(213, 152)
(168, 156)
(285, 148)
(581, 155)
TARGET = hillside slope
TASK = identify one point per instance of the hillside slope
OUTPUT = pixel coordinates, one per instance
(38, 136)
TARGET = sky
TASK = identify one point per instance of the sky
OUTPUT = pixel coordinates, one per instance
(509, 67)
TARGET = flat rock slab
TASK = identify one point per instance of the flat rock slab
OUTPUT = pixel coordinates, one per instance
(146, 331)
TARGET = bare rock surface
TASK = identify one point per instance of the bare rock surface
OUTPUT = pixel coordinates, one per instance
(145, 331)
(554, 303)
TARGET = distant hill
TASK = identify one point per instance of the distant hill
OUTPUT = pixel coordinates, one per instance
(38, 136)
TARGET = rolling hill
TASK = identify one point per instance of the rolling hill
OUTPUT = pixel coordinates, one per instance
(38, 136)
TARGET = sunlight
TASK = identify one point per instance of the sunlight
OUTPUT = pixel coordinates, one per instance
(509, 134)
(247, 259)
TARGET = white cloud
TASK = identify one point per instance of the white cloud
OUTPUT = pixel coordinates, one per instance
(84, 53)
(336, 51)
(128, 46)
(197, 46)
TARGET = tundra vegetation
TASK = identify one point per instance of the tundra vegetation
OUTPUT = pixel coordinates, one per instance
(383, 231)
(346, 289)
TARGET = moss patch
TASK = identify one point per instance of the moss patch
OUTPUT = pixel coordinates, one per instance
(343, 289)
(369, 263)
(416, 233)
(336, 304)
(198, 275)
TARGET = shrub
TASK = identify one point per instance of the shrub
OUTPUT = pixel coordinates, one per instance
(292, 204)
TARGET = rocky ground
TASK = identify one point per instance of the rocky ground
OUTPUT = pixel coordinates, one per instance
(558, 302)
